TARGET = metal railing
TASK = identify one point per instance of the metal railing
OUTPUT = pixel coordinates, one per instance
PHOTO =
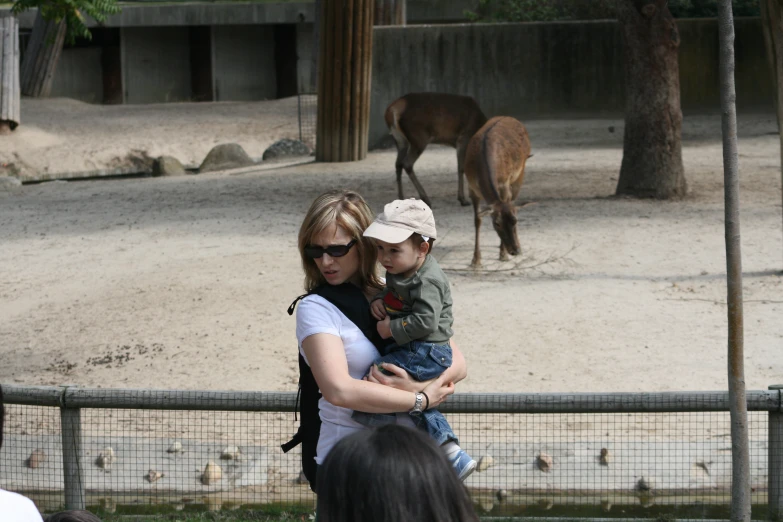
(651, 451)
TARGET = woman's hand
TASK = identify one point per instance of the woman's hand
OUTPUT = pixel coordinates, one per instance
(438, 390)
(400, 378)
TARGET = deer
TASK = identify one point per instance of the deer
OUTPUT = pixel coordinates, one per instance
(495, 169)
(418, 119)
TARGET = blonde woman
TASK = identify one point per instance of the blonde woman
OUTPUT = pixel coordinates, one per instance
(335, 252)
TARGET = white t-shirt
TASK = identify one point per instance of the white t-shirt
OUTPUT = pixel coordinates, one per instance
(17, 508)
(316, 315)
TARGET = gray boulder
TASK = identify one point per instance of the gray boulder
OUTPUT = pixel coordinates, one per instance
(168, 166)
(9, 184)
(286, 147)
(225, 156)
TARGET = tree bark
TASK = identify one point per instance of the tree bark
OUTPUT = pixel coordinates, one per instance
(652, 144)
(772, 22)
(740, 454)
(9, 74)
(390, 12)
(345, 64)
(41, 56)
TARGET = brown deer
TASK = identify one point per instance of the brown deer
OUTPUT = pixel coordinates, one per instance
(418, 119)
(495, 168)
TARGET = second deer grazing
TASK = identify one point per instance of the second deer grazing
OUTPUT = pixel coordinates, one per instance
(495, 168)
(418, 119)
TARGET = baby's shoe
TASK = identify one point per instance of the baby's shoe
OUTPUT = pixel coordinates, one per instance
(463, 464)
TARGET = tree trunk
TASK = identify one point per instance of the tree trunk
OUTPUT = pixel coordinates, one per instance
(41, 56)
(390, 12)
(652, 148)
(740, 454)
(345, 64)
(9, 73)
(772, 22)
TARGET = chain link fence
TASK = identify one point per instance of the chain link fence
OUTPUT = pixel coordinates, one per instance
(540, 455)
(307, 113)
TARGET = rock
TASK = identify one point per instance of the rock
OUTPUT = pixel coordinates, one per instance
(36, 458)
(105, 458)
(604, 457)
(230, 453)
(176, 447)
(225, 156)
(544, 462)
(212, 474)
(168, 166)
(484, 463)
(486, 505)
(285, 148)
(9, 184)
(153, 475)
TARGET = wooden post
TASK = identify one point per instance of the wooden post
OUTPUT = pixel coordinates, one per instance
(9, 73)
(345, 64)
(740, 452)
(390, 12)
(775, 452)
(41, 56)
(73, 473)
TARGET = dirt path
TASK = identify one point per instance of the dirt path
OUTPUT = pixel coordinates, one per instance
(184, 282)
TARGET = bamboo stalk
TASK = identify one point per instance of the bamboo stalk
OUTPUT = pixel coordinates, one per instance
(346, 87)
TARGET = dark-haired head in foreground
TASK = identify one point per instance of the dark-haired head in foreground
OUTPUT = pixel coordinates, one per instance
(392, 474)
(76, 515)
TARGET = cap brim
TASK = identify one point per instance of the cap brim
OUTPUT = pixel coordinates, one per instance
(387, 233)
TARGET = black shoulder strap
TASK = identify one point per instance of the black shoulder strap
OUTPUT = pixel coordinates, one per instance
(350, 300)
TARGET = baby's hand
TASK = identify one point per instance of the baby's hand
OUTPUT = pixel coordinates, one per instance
(378, 309)
(384, 328)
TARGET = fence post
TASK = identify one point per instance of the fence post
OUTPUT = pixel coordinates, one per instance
(775, 451)
(73, 473)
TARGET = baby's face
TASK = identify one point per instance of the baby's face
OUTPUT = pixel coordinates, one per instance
(399, 258)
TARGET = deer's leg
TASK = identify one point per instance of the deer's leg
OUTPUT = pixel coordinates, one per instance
(476, 263)
(402, 151)
(503, 252)
(462, 146)
(410, 158)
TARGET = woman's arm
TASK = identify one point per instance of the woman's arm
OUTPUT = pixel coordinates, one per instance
(402, 381)
(326, 355)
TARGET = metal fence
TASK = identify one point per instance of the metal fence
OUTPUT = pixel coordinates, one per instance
(307, 114)
(626, 455)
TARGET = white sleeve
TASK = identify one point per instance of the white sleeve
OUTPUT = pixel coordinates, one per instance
(316, 315)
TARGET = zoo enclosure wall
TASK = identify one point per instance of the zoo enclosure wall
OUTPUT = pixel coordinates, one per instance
(540, 454)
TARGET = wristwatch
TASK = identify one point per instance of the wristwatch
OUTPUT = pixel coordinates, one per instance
(417, 407)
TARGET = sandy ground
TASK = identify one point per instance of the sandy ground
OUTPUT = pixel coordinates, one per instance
(184, 282)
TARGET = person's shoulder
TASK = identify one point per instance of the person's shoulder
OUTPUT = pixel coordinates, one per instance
(432, 272)
(18, 508)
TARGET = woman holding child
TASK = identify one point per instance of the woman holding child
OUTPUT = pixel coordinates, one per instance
(336, 251)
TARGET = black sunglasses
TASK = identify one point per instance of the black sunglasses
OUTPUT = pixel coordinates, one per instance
(316, 252)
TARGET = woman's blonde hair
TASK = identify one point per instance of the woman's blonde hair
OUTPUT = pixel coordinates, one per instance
(348, 210)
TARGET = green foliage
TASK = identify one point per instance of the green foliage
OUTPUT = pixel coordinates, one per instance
(551, 10)
(72, 11)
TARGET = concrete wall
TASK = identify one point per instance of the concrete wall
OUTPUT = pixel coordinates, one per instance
(552, 69)
(150, 74)
(79, 75)
(244, 62)
(304, 50)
